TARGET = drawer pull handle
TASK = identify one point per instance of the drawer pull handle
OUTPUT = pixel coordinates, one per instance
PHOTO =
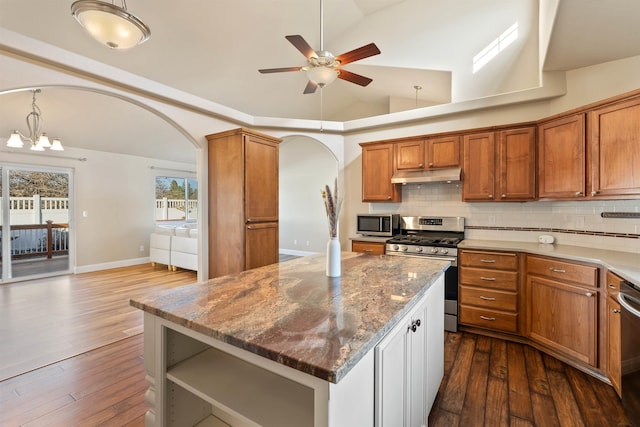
(557, 270)
(367, 250)
(612, 286)
(487, 298)
(490, 279)
(487, 260)
(488, 318)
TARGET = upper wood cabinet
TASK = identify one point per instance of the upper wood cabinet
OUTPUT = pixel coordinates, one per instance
(614, 135)
(377, 168)
(562, 158)
(499, 166)
(432, 153)
(243, 201)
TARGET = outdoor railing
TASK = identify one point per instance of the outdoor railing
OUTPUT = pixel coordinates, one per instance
(39, 240)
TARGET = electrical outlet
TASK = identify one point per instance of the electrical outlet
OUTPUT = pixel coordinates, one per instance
(141, 248)
(295, 243)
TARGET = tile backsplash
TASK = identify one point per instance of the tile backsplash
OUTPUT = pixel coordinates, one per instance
(576, 223)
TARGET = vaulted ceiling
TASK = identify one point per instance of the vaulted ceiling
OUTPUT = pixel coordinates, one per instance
(213, 49)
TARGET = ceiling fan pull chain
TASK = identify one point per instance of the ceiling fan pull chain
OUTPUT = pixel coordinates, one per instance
(321, 110)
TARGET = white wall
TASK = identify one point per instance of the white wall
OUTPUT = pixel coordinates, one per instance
(306, 166)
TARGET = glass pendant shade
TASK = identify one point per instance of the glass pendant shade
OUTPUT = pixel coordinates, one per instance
(56, 145)
(322, 75)
(14, 140)
(109, 24)
(43, 141)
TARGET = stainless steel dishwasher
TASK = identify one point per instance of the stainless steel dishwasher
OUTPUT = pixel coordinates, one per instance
(629, 299)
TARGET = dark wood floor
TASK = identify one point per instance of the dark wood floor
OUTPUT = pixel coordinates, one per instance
(488, 382)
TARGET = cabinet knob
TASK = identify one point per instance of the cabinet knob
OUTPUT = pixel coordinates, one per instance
(579, 194)
(414, 325)
(249, 219)
(504, 196)
(593, 193)
(421, 165)
(616, 311)
(388, 197)
(490, 196)
(430, 165)
(612, 286)
(589, 294)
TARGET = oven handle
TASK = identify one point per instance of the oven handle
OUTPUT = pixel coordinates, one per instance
(452, 260)
(622, 299)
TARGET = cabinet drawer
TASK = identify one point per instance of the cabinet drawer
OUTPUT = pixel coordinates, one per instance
(367, 247)
(613, 284)
(565, 271)
(488, 318)
(483, 259)
(488, 298)
(487, 278)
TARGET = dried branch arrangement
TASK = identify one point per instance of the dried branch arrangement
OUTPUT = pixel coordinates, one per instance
(332, 205)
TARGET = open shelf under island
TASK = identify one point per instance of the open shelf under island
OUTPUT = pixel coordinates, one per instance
(284, 345)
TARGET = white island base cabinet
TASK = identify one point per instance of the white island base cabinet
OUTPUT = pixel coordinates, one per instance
(196, 380)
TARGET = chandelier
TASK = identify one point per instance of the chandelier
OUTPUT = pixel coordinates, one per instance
(39, 140)
(111, 25)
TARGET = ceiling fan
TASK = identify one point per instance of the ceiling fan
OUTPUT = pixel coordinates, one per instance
(322, 66)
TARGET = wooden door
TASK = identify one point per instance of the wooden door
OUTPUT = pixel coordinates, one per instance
(614, 355)
(261, 244)
(443, 152)
(562, 158)
(261, 180)
(390, 390)
(479, 167)
(409, 155)
(563, 317)
(516, 164)
(377, 168)
(615, 149)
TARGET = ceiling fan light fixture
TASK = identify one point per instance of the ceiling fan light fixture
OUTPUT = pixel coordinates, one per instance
(322, 75)
(109, 24)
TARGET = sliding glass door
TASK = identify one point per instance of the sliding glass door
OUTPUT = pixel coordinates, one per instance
(35, 222)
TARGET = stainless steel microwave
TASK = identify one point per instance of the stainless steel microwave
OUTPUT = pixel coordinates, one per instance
(378, 224)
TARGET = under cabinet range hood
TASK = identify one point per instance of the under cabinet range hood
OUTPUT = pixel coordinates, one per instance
(426, 176)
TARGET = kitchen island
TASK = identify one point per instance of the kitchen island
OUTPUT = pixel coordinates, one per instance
(285, 345)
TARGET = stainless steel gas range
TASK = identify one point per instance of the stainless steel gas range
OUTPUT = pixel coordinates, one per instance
(433, 237)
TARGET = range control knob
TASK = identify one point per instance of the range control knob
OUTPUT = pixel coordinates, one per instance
(419, 249)
(404, 249)
(444, 251)
(396, 247)
(434, 250)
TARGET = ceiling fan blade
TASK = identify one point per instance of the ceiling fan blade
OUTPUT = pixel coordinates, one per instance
(301, 45)
(357, 54)
(354, 78)
(310, 88)
(279, 70)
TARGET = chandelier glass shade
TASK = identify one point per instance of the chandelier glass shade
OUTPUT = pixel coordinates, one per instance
(39, 140)
(111, 25)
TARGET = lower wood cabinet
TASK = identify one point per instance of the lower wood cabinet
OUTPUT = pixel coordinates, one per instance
(367, 247)
(261, 244)
(562, 307)
(409, 368)
(488, 290)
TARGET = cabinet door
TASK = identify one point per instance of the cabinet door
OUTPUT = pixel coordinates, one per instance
(479, 167)
(434, 332)
(409, 155)
(443, 152)
(615, 150)
(261, 244)
(391, 372)
(563, 317)
(377, 168)
(614, 355)
(261, 180)
(561, 158)
(516, 164)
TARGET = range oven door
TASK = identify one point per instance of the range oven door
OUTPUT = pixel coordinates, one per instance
(629, 299)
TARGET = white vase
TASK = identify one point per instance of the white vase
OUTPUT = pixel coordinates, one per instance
(333, 257)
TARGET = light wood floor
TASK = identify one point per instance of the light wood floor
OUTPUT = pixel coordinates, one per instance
(46, 320)
(488, 382)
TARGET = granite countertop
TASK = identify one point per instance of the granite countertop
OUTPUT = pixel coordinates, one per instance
(293, 314)
(624, 264)
(377, 239)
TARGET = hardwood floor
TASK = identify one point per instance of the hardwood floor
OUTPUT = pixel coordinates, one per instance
(488, 382)
(46, 320)
(491, 382)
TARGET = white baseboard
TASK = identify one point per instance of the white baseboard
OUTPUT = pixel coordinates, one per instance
(108, 265)
(295, 252)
